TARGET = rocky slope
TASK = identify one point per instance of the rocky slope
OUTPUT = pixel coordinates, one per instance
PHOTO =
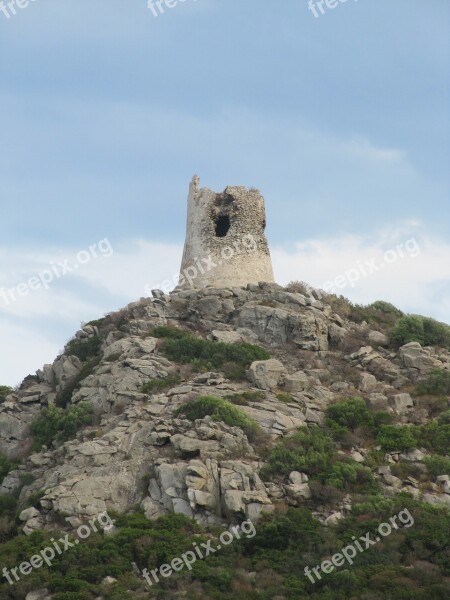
(139, 451)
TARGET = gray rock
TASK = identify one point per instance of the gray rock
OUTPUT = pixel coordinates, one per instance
(297, 382)
(37, 594)
(266, 374)
(402, 403)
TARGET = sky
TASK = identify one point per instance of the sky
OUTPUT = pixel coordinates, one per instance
(107, 111)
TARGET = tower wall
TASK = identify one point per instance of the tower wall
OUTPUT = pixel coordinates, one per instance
(225, 241)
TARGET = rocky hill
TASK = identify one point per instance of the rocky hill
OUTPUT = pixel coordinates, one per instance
(215, 404)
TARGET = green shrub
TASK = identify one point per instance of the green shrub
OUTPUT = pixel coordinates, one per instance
(444, 418)
(437, 465)
(166, 331)
(309, 450)
(58, 424)
(426, 331)
(402, 438)
(159, 385)
(84, 349)
(6, 466)
(207, 355)
(435, 436)
(386, 307)
(218, 409)
(437, 383)
(348, 475)
(5, 390)
(350, 414)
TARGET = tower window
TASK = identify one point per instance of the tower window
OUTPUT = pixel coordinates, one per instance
(222, 225)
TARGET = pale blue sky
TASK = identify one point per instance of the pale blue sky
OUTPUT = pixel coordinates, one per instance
(342, 121)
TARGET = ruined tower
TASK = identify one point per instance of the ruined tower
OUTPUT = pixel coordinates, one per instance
(225, 241)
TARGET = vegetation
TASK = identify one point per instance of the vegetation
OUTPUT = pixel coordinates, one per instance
(84, 349)
(380, 315)
(426, 331)
(5, 390)
(437, 384)
(218, 409)
(437, 465)
(160, 385)
(233, 359)
(401, 438)
(169, 332)
(434, 436)
(350, 414)
(312, 451)
(59, 424)
(6, 466)
(412, 563)
(284, 397)
(243, 398)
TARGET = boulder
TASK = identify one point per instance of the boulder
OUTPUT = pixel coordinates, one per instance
(266, 374)
(297, 382)
(402, 403)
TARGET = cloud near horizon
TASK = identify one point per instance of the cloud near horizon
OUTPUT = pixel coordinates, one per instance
(400, 264)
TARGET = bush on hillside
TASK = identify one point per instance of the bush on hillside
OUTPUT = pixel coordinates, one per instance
(234, 359)
(59, 424)
(350, 414)
(437, 383)
(402, 438)
(6, 466)
(437, 465)
(84, 349)
(426, 331)
(5, 390)
(309, 451)
(218, 409)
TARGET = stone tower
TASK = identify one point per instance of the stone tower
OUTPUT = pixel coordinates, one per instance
(225, 242)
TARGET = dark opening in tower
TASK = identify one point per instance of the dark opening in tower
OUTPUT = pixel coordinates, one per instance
(222, 225)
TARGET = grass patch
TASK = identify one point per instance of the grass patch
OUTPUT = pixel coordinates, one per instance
(285, 397)
(113, 357)
(243, 398)
(160, 385)
(218, 409)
